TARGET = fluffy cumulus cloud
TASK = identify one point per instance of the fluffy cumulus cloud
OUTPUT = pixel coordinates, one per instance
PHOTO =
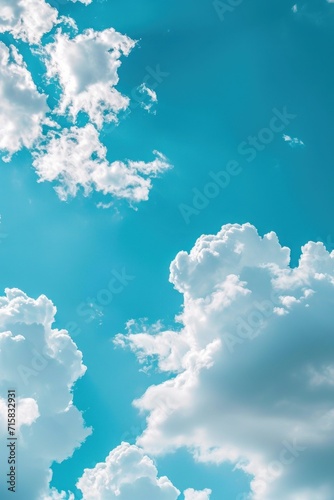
(255, 346)
(191, 494)
(23, 109)
(126, 474)
(41, 364)
(86, 68)
(76, 158)
(27, 20)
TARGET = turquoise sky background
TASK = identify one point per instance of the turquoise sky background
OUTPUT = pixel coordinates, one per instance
(224, 80)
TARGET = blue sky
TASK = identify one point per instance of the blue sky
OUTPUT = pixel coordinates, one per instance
(223, 81)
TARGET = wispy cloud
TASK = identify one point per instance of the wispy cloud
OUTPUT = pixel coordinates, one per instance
(293, 142)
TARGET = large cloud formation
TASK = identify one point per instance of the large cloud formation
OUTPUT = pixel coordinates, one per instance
(86, 68)
(76, 158)
(126, 474)
(23, 109)
(253, 364)
(42, 364)
(129, 474)
(27, 20)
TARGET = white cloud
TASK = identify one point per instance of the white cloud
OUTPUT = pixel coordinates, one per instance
(42, 364)
(253, 364)
(86, 2)
(126, 474)
(318, 13)
(86, 67)
(56, 495)
(293, 141)
(27, 20)
(23, 109)
(191, 494)
(27, 412)
(77, 158)
(150, 96)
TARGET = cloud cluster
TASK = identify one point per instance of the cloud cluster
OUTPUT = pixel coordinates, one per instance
(76, 158)
(27, 20)
(255, 346)
(150, 96)
(86, 68)
(126, 474)
(293, 142)
(42, 364)
(23, 109)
